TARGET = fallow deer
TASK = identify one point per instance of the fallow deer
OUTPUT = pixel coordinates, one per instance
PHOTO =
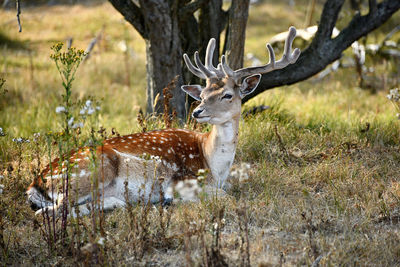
(173, 154)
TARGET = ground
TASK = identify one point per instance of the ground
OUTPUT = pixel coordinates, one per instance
(316, 176)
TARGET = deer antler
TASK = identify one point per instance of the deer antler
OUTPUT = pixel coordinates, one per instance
(288, 57)
(207, 71)
(223, 70)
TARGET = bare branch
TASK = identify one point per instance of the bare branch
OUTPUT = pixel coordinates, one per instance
(190, 8)
(132, 14)
(18, 6)
(92, 44)
(372, 6)
(327, 22)
(323, 50)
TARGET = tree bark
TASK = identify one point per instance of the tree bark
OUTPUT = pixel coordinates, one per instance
(323, 50)
(163, 53)
(236, 36)
(212, 21)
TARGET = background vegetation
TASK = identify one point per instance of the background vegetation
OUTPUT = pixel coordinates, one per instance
(323, 184)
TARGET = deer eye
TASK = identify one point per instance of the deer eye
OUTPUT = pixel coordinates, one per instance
(227, 96)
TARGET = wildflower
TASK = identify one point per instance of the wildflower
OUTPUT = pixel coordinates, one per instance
(36, 137)
(20, 140)
(61, 109)
(90, 111)
(70, 121)
(215, 226)
(394, 95)
(202, 175)
(188, 189)
(122, 46)
(241, 172)
(101, 241)
(1, 132)
(1, 188)
(88, 108)
(77, 125)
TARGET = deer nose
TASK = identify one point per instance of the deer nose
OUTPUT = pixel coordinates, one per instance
(197, 113)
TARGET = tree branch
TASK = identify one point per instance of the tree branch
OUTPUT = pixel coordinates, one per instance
(327, 22)
(18, 5)
(190, 8)
(238, 14)
(323, 50)
(132, 14)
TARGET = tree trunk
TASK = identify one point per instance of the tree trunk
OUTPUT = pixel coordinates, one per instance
(236, 36)
(212, 21)
(164, 54)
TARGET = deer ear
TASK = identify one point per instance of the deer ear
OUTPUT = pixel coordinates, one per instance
(249, 84)
(193, 90)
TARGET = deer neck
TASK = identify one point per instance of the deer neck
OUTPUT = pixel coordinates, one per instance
(219, 149)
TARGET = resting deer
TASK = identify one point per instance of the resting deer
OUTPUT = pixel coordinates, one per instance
(173, 154)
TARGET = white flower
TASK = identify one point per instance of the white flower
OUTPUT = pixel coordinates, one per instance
(1, 132)
(394, 95)
(61, 109)
(188, 189)
(90, 110)
(215, 226)
(1, 188)
(71, 121)
(101, 241)
(122, 45)
(76, 125)
(20, 140)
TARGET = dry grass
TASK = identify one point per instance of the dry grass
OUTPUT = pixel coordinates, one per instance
(322, 185)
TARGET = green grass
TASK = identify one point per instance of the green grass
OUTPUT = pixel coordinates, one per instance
(320, 184)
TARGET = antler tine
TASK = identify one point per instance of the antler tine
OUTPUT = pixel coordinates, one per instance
(203, 69)
(192, 68)
(287, 58)
(225, 67)
(210, 54)
(209, 58)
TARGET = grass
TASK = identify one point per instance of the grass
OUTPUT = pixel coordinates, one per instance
(322, 185)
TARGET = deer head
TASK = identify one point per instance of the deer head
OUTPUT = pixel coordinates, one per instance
(225, 88)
